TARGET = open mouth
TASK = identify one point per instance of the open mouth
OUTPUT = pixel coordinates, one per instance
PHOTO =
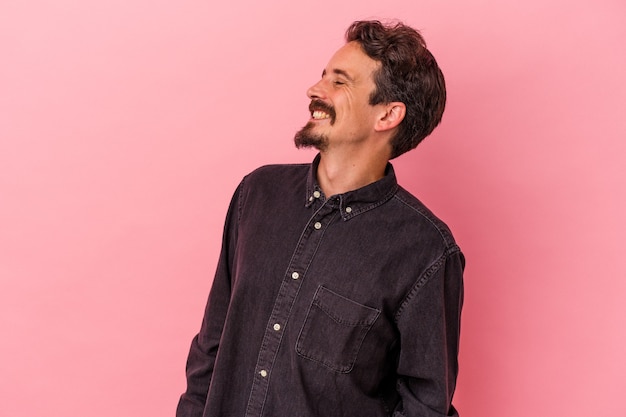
(321, 111)
(319, 115)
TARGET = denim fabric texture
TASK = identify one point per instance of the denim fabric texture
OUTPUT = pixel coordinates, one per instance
(325, 307)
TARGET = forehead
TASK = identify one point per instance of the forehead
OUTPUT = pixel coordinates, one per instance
(353, 61)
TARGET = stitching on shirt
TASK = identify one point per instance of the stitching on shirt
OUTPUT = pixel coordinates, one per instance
(430, 271)
(340, 369)
(365, 322)
(333, 367)
(304, 231)
(240, 199)
(264, 340)
(446, 237)
(356, 212)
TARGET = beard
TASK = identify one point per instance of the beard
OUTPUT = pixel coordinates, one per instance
(306, 138)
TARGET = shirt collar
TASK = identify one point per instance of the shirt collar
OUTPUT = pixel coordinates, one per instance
(352, 203)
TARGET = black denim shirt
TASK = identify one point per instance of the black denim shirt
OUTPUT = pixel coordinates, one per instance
(340, 306)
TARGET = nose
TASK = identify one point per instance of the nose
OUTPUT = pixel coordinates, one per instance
(316, 90)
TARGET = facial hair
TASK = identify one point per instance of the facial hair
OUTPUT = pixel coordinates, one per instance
(305, 137)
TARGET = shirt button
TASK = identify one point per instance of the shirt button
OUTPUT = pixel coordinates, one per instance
(263, 373)
(295, 275)
(316, 194)
(277, 327)
(317, 225)
(348, 209)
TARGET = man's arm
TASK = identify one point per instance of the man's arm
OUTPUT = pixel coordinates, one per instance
(429, 325)
(205, 344)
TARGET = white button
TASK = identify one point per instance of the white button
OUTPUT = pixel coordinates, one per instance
(317, 225)
(263, 373)
(316, 194)
(277, 327)
(295, 275)
(348, 209)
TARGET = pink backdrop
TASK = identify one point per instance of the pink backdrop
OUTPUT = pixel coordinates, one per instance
(125, 126)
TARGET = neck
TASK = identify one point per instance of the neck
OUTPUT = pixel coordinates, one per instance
(338, 174)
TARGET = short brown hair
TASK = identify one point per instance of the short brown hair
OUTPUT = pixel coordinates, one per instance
(408, 73)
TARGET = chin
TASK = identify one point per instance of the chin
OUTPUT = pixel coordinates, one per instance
(306, 138)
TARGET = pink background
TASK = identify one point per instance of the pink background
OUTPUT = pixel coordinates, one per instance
(125, 126)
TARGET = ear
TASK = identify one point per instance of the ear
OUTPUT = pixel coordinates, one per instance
(391, 117)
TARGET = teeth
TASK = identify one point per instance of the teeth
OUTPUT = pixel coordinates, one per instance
(318, 114)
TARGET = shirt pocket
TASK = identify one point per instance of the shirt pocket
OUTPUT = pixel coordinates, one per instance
(334, 330)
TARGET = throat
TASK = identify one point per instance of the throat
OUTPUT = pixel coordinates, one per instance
(344, 176)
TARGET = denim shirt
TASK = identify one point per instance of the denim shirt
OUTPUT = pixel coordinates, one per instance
(341, 306)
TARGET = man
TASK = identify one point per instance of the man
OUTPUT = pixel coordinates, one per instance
(338, 293)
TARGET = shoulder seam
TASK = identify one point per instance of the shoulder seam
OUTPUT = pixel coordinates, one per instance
(445, 239)
(424, 278)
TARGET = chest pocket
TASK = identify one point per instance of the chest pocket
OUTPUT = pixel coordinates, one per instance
(334, 330)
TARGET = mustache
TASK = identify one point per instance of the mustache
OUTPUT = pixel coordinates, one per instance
(320, 105)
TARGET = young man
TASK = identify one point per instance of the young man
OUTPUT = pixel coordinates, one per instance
(338, 293)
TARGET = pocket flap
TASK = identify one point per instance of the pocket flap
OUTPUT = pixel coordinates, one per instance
(343, 310)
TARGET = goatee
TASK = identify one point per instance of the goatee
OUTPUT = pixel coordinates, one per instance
(306, 138)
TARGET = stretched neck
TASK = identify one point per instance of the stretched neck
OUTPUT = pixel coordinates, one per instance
(338, 174)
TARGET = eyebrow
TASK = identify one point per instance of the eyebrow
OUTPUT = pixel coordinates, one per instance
(341, 72)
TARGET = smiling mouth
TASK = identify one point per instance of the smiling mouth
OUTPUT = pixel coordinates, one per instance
(320, 115)
(321, 111)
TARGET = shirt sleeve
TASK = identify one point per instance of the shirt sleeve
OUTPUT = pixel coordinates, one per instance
(429, 325)
(205, 344)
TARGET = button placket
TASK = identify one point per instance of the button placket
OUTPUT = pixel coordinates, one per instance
(290, 286)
